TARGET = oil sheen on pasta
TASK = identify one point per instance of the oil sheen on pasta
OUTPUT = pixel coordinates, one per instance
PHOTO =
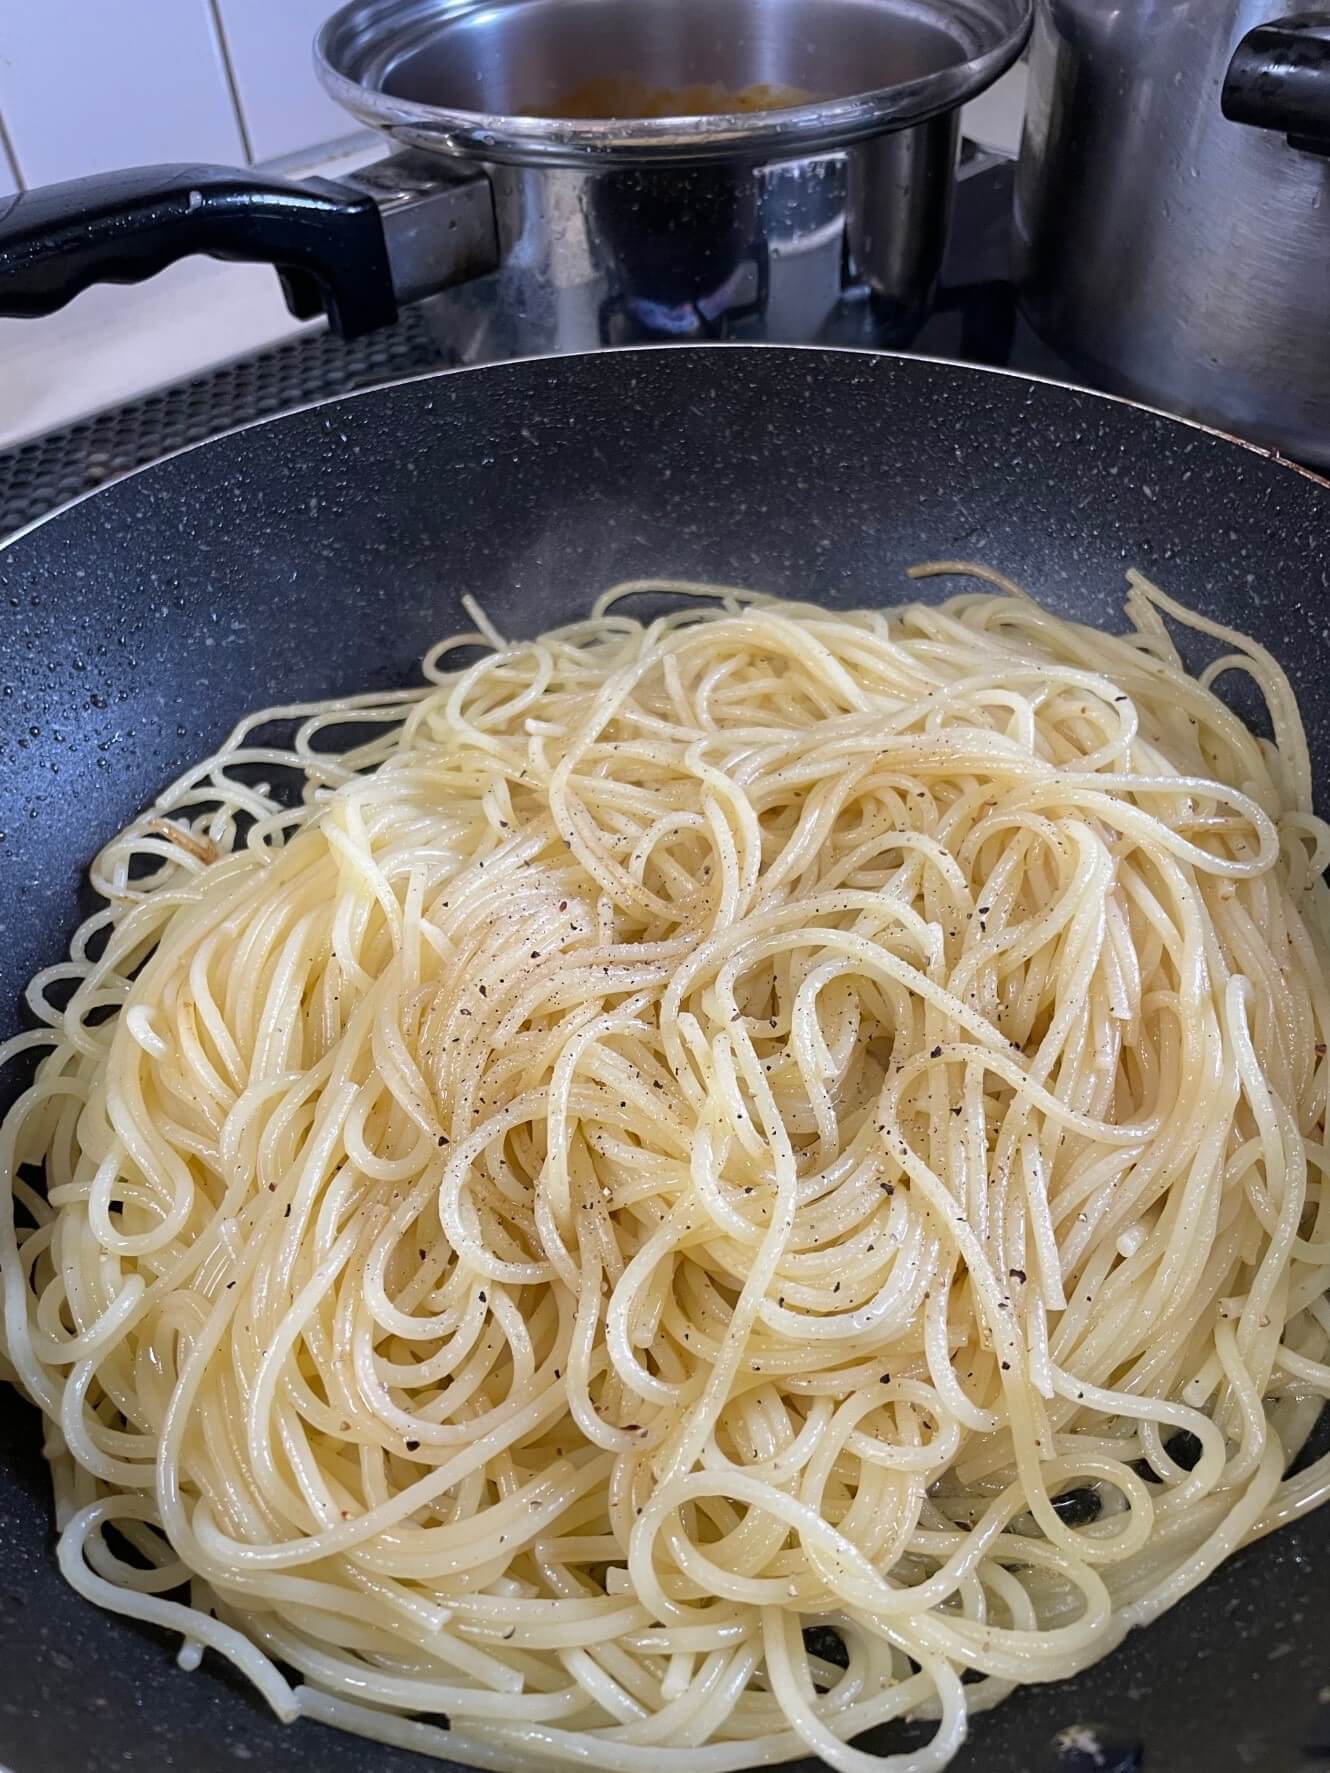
(599, 1209)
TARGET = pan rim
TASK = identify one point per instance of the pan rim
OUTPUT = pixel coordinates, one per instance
(743, 349)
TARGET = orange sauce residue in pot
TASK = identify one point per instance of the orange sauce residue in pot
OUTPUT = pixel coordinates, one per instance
(606, 96)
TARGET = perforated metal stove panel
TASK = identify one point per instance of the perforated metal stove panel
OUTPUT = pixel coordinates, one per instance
(38, 476)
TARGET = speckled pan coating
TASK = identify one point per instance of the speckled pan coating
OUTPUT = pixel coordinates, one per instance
(322, 552)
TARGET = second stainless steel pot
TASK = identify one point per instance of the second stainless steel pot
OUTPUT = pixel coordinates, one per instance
(822, 220)
(1168, 250)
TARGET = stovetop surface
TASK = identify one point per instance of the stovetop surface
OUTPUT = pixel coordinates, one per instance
(974, 320)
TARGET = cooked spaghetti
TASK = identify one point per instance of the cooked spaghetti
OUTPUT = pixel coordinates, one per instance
(703, 1181)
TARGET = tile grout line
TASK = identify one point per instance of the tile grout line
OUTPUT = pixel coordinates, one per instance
(219, 31)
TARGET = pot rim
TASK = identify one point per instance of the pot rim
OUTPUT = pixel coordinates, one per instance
(354, 46)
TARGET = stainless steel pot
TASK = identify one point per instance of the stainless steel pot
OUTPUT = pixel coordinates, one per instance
(1168, 250)
(822, 220)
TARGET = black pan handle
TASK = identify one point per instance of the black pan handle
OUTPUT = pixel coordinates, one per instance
(326, 240)
(1279, 78)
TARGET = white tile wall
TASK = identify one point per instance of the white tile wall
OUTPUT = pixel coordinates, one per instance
(996, 116)
(271, 47)
(86, 85)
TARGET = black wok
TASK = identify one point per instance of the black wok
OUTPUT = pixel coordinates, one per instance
(322, 552)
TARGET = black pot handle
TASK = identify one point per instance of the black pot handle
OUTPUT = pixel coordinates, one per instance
(1279, 78)
(326, 240)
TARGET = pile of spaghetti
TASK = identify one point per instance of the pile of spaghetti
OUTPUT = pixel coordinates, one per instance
(705, 1181)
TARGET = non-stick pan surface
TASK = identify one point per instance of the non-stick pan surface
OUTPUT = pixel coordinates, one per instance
(322, 552)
